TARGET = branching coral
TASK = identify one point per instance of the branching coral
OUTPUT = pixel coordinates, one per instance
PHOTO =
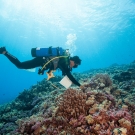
(100, 80)
(72, 104)
(79, 113)
(98, 116)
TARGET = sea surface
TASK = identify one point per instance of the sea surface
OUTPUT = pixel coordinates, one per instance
(100, 32)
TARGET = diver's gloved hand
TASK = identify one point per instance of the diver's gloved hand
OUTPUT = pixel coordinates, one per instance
(40, 71)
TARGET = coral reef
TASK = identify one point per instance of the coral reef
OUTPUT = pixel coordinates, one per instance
(105, 107)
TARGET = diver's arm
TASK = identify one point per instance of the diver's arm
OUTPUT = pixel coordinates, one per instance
(64, 67)
(70, 76)
(66, 71)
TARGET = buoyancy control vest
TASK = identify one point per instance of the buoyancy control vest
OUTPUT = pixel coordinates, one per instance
(52, 54)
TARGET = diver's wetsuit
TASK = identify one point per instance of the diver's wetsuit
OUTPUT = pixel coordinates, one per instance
(63, 65)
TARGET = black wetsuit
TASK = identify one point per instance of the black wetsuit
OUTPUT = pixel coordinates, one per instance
(63, 65)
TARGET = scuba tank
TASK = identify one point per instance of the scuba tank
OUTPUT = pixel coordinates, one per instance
(47, 52)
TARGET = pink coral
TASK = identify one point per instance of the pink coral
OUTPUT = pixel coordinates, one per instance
(115, 115)
(99, 79)
(78, 113)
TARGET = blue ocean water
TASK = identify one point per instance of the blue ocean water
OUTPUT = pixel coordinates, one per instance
(100, 32)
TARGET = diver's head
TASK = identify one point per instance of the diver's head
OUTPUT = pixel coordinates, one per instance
(75, 61)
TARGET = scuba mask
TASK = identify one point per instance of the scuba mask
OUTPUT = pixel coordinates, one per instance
(75, 66)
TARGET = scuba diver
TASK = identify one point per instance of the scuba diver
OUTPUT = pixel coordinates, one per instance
(57, 60)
